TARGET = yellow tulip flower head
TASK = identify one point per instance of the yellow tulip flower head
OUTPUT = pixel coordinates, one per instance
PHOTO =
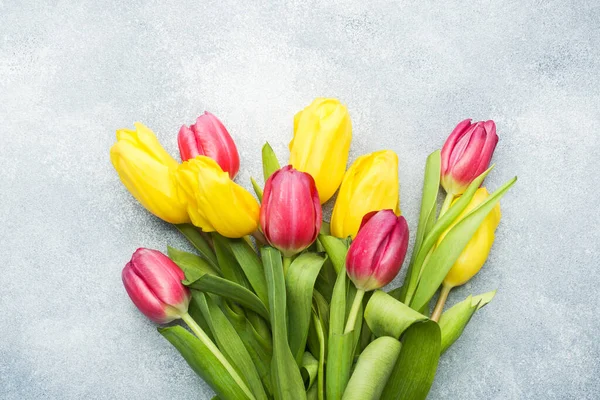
(370, 184)
(321, 143)
(215, 202)
(476, 252)
(147, 171)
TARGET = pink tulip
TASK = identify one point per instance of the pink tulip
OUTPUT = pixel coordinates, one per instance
(290, 215)
(153, 282)
(467, 154)
(376, 254)
(209, 137)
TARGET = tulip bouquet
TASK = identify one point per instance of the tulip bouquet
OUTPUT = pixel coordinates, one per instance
(281, 304)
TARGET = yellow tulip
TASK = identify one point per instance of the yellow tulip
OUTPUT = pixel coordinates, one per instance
(215, 202)
(322, 135)
(148, 172)
(476, 252)
(474, 255)
(371, 184)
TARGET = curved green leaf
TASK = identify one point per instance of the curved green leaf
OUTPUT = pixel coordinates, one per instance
(309, 368)
(229, 290)
(192, 265)
(336, 250)
(373, 368)
(455, 319)
(387, 316)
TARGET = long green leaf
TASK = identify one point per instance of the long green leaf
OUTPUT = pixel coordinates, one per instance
(415, 368)
(287, 381)
(431, 184)
(339, 345)
(259, 348)
(204, 362)
(229, 290)
(192, 265)
(230, 343)
(199, 242)
(269, 161)
(444, 256)
(299, 282)
(318, 326)
(438, 228)
(455, 319)
(250, 263)
(230, 268)
(373, 368)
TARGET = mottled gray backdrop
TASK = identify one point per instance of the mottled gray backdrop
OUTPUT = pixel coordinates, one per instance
(71, 72)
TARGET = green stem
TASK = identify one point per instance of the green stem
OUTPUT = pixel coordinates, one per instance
(286, 264)
(439, 306)
(354, 310)
(447, 203)
(215, 350)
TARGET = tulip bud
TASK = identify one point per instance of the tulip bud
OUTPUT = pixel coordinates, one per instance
(147, 171)
(215, 202)
(476, 252)
(321, 143)
(377, 253)
(290, 215)
(153, 282)
(209, 137)
(370, 184)
(467, 154)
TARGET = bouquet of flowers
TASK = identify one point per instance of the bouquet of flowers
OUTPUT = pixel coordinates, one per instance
(284, 305)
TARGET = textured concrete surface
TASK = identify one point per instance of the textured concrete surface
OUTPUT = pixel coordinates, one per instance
(71, 72)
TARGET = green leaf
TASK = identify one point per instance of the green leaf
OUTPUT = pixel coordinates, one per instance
(192, 265)
(373, 368)
(446, 254)
(320, 332)
(415, 368)
(339, 345)
(299, 282)
(248, 260)
(316, 338)
(416, 268)
(230, 268)
(229, 290)
(196, 314)
(199, 242)
(230, 343)
(257, 189)
(269, 160)
(455, 319)
(287, 381)
(259, 348)
(431, 184)
(309, 369)
(326, 280)
(387, 316)
(205, 363)
(336, 250)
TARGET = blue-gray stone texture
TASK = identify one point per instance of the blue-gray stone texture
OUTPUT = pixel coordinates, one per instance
(72, 72)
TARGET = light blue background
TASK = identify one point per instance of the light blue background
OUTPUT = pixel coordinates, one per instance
(71, 72)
